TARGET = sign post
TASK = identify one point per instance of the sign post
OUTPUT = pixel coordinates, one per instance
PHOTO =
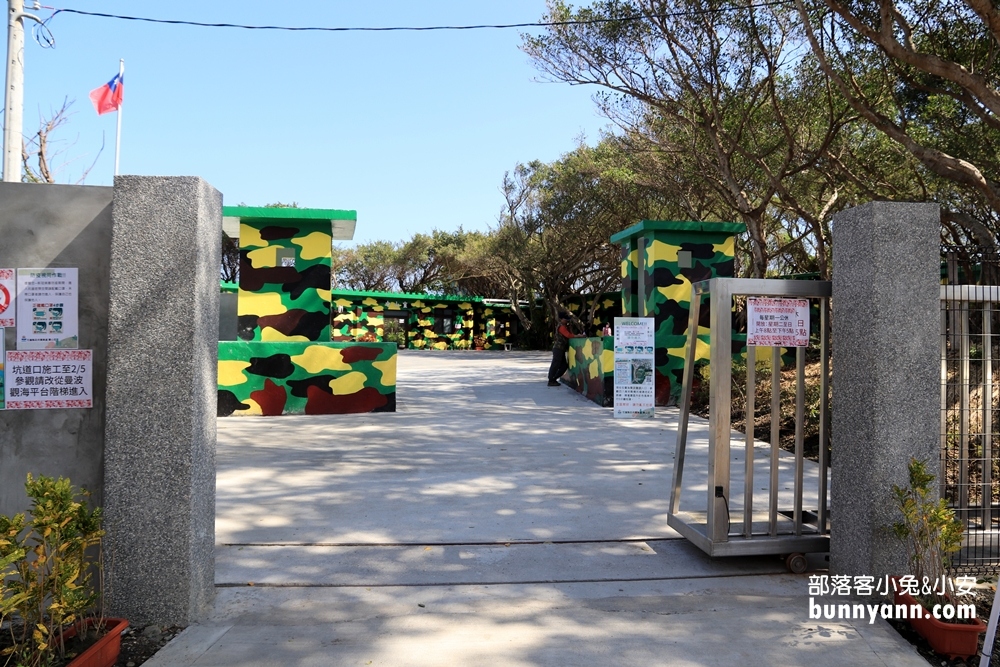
(777, 322)
(47, 379)
(47, 305)
(635, 386)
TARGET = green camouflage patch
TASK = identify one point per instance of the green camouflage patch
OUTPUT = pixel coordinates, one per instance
(258, 378)
(284, 280)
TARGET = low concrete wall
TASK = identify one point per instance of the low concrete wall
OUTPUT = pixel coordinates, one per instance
(58, 226)
(592, 368)
(258, 378)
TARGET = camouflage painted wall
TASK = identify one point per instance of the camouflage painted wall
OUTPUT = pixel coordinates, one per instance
(285, 378)
(669, 257)
(284, 290)
(431, 322)
(592, 368)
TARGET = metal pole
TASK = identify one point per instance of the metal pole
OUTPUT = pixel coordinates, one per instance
(118, 129)
(748, 423)
(987, 400)
(963, 404)
(13, 100)
(824, 412)
(720, 406)
(13, 103)
(688, 383)
(991, 632)
(800, 417)
(772, 517)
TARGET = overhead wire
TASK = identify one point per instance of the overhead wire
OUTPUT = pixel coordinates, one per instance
(484, 26)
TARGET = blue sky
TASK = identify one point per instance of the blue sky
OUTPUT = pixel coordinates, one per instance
(413, 130)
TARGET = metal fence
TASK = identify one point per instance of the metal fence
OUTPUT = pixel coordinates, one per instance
(970, 398)
(792, 518)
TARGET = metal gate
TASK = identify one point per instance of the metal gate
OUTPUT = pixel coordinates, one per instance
(729, 526)
(970, 465)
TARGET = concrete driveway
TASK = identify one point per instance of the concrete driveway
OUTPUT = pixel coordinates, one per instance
(491, 520)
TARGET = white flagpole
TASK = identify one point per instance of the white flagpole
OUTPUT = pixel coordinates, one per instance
(118, 130)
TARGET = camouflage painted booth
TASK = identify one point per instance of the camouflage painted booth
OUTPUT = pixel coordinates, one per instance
(284, 362)
(660, 261)
(423, 321)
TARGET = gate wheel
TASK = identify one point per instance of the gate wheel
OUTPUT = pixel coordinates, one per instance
(797, 563)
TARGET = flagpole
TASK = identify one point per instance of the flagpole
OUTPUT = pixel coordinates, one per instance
(118, 130)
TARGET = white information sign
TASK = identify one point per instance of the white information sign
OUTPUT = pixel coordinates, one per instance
(47, 309)
(41, 379)
(7, 291)
(777, 322)
(635, 384)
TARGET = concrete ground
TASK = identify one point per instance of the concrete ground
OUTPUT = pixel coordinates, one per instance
(494, 521)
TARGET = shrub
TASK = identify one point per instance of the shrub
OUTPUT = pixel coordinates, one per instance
(48, 565)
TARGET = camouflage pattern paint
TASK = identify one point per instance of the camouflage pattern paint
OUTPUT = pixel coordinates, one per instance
(669, 257)
(284, 291)
(592, 368)
(361, 315)
(288, 378)
(630, 280)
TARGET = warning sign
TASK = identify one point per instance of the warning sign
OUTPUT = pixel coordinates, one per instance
(7, 292)
(46, 379)
(777, 322)
(635, 384)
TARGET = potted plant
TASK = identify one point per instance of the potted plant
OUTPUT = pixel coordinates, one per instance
(47, 593)
(931, 532)
(479, 343)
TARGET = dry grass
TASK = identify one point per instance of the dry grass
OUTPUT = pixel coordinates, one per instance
(762, 402)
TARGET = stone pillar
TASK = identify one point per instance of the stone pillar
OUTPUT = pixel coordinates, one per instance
(660, 260)
(886, 382)
(159, 479)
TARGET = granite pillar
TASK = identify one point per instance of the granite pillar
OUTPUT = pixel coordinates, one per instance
(159, 479)
(886, 375)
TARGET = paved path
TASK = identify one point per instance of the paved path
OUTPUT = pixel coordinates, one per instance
(492, 520)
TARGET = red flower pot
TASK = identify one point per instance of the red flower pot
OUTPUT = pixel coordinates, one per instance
(104, 652)
(954, 640)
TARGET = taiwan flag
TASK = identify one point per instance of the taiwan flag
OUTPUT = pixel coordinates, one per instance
(108, 97)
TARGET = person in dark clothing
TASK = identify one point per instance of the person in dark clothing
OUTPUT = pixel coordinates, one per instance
(560, 343)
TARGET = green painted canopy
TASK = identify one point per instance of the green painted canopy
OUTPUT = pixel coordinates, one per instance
(677, 226)
(342, 223)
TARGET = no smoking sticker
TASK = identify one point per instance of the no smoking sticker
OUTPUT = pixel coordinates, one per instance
(7, 291)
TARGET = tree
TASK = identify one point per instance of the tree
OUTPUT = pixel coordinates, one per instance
(230, 271)
(552, 239)
(367, 267)
(42, 154)
(925, 74)
(723, 95)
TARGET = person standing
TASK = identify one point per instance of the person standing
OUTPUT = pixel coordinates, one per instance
(560, 343)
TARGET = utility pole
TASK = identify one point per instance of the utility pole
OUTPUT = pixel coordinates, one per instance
(13, 114)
